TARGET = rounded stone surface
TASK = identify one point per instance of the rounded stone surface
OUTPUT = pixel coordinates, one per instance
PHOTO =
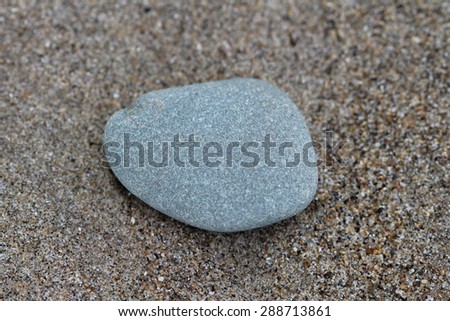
(223, 156)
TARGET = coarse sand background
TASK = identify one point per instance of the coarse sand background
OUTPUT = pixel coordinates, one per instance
(375, 76)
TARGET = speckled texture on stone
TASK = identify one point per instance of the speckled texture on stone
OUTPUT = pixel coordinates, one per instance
(375, 75)
(239, 194)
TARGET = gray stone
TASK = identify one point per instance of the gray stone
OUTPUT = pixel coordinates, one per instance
(227, 192)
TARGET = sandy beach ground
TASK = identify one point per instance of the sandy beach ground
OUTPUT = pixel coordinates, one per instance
(374, 76)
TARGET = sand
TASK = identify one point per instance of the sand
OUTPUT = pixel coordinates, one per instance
(374, 77)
